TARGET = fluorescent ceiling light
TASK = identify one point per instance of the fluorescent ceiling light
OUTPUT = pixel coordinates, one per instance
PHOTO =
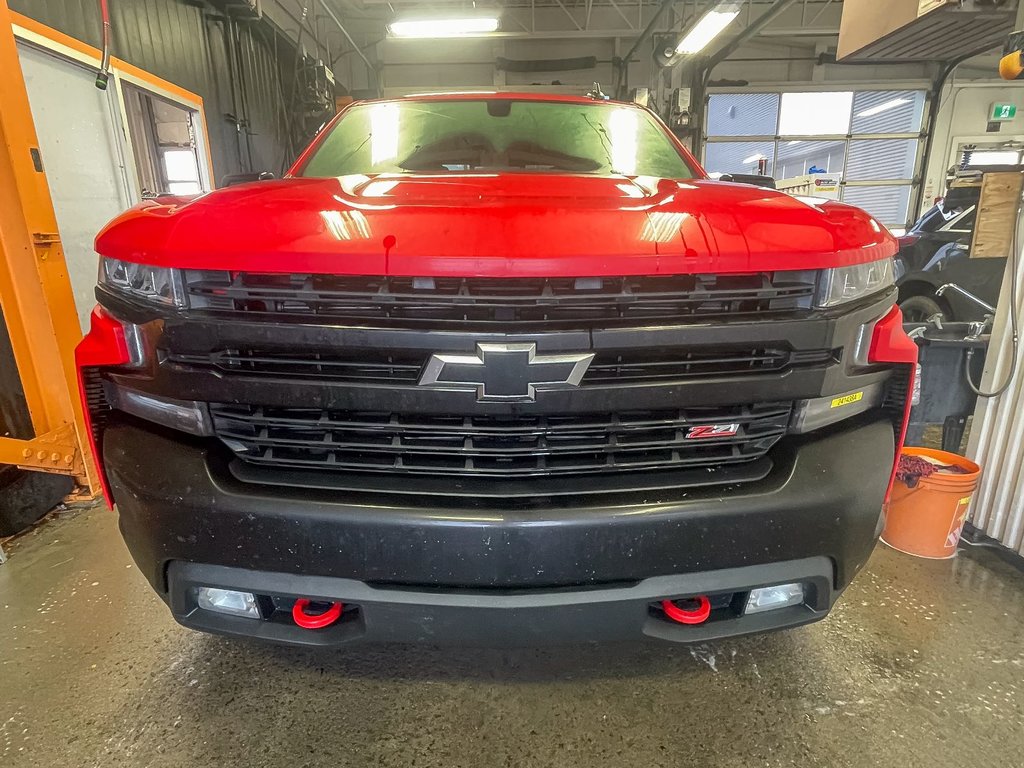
(444, 27)
(707, 29)
(883, 108)
(754, 159)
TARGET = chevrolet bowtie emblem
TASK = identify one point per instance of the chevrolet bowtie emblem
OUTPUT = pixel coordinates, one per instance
(505, 372)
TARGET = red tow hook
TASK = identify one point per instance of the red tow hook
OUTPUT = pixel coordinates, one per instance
(315, 620)
(682, 616)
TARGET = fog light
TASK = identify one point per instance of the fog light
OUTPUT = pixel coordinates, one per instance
(228, 601)
(772, 598)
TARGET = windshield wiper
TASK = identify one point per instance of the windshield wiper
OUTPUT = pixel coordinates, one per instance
(605, 140)
(345, 159)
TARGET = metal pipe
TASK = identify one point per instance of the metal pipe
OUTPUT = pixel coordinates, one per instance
(358, 50)
(701, 75)
(103, 75)
(967, 295)
(621, 71)
(666, 4)
(935, 101)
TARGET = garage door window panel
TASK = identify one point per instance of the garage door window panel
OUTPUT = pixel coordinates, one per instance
(743, 114)
(799, 156)
(739, 156)
(877, 112)
(816, 113)
(889, 204)
(881, 159)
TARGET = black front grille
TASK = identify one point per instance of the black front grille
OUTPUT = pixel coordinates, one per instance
(96, 401)
(507, 446)
(894, 398)
(441, 301)
(390, 367)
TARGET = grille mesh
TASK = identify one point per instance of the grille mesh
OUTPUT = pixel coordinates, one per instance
(497, 446)
(442, 301)
(390, 367)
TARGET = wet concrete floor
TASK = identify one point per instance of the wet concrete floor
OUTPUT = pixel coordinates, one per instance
(922, 664)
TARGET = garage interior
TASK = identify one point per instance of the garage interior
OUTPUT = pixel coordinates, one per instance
(909, 111)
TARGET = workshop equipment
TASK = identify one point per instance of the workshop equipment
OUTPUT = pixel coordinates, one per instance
(946, 397)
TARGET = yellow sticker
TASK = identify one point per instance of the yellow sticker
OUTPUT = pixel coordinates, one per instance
(847, 399)
(965, 501)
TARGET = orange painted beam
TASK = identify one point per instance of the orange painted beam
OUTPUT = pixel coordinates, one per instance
(35, 290)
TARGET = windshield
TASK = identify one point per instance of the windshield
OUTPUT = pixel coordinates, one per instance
(496, 135)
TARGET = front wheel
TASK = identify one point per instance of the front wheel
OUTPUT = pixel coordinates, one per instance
(917, 309)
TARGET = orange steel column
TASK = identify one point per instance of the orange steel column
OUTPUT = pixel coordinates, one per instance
(35, 291)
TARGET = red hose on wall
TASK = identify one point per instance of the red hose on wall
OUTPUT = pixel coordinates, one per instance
(104, 74)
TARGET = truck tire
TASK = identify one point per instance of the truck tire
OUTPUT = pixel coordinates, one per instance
(917, 309)
(27, 496)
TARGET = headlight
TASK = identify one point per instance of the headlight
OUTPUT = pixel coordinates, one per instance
(843, 284)
(162, 285)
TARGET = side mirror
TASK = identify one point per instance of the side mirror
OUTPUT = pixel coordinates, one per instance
(749, 178)
(245, 178)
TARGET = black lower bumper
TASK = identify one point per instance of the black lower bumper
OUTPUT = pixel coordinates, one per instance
(482, 573)
(477, 618)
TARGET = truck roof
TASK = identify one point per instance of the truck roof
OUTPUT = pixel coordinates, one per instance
(567, 98)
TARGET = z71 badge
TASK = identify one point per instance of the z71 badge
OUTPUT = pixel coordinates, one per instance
(712, 430)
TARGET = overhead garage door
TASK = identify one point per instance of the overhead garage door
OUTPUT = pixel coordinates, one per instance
(871, 137)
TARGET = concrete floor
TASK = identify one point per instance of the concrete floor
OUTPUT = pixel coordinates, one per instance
(922, 664)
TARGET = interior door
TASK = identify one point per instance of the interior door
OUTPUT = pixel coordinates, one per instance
(74, 121)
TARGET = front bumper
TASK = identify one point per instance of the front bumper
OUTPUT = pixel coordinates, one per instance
(471, 617)
(581, 571)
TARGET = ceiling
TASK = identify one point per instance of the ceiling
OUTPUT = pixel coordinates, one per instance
(806, 23)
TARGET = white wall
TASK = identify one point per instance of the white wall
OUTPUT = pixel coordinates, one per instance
(83, 162)
(963, 117)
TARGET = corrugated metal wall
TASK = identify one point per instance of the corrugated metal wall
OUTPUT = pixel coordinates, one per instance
(241, 69)
(997, 439)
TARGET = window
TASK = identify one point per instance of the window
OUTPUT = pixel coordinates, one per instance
(888, 111)
(877, 159)
(487, 135)
(870, 138)
(888, 204)
(181, 172)
(743, 114)
(799, 156)
(994, 157)
(815, 113)
(961, 221)
(724, 157)
(164, 144)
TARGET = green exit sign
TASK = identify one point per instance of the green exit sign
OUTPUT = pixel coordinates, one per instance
(1003, 112)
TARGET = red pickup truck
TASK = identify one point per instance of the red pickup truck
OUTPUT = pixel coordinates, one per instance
(491, 368)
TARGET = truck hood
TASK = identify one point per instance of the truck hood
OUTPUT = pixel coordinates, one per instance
(498, 225)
